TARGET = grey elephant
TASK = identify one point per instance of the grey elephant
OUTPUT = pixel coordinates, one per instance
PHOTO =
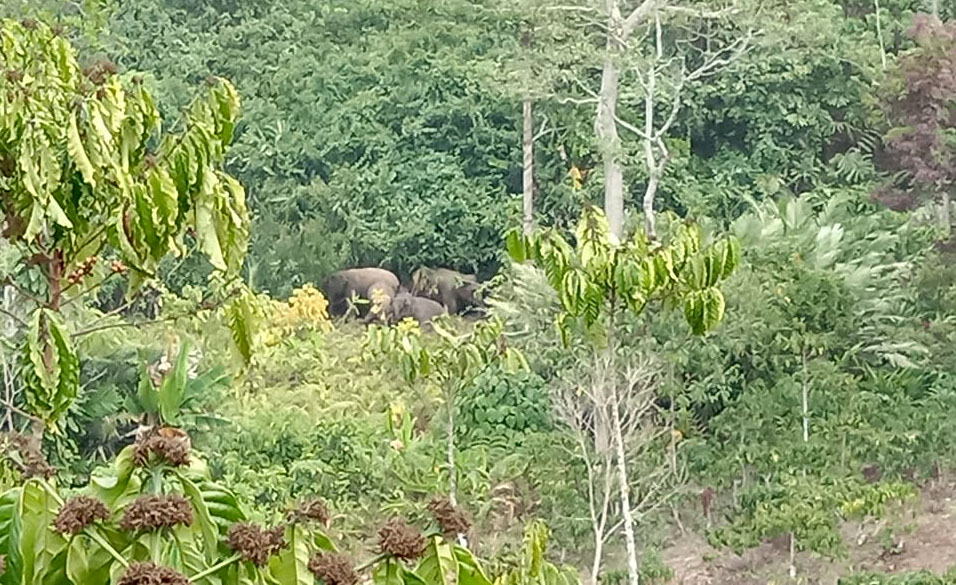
(363, 283)
(456, 291)
(421, 309)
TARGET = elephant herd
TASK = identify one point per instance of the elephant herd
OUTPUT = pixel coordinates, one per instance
(433, 291)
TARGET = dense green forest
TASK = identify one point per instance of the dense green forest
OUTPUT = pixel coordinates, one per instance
(477, 292)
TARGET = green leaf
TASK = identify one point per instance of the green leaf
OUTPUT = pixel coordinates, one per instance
(205, 221)
(713, 307)
(173, 389)
(438, 566)
(210, 532)
(39, 544)
(74, 146)
(116, 486)
(516, 245)
(732, 259)
(388, 572)
(694, 312)
(10, 529)
(87, 562)
(470, 571)
(190, 557)
(291, 566)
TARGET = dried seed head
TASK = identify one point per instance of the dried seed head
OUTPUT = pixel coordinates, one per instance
(255, 544)
(333, 569)
(32, 462)
(155, 512)
(400, 539)
(313, 510)
(13, 75)
(168, 444)
(449, 517)
(3, 564)
(78, 513)
(29, 23)
(57, 30)
(152, 574)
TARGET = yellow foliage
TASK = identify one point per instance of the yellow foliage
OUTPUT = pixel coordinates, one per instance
(577, 178)
(306, 310)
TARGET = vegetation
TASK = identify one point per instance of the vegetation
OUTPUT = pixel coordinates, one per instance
(715, 242)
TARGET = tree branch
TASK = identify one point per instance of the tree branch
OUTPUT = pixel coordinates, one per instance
(637, 16)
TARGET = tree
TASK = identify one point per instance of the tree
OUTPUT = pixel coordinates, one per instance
(634, 39)
(451, 363)
(597, 279)
(85, 170)
(919, 104)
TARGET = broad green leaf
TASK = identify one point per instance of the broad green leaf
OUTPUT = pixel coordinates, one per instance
(39, 544)
(210, 533)
(77, 152)
(388, 572)
(115, 486)
(173, 389)
(470, 571)
(205, 221)
(438, 566)
(10, 530)
(733, 256)
(713, 307)
(516, 245)
(87, 562)
(291, 566)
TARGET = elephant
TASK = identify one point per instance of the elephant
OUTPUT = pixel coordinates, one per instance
(421, 309)
(364, 283)
(456, 291)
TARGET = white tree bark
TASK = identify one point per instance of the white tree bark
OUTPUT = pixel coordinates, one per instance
(527, 147)
(633, 568)
(945, 206)
(605, 127)
(619, 30)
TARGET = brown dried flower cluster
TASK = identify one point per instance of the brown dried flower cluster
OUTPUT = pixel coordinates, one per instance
(155, 512)
(32, 462)
(449, 517)
(254, 543)
(333, 569)
(78, 513)
(313, 510)
(170, 444)
(400, 539)
(152, 574)
(99, 72)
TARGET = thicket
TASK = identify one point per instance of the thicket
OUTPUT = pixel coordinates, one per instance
(389, 133)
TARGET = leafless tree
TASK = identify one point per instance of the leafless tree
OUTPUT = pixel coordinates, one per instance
(610, 411)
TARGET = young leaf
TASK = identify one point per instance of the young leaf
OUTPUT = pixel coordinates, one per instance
(173, 389)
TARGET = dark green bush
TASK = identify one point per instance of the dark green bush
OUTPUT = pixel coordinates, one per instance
(502, 408)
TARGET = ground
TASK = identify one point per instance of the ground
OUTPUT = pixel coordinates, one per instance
(921, 536)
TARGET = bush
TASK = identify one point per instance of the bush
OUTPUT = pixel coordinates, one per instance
(501, 408)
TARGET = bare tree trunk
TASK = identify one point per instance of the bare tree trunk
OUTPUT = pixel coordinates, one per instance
(605, 126)
(598, 557)
(620, 456)
(879, 32)
(944, 213)
(625, 494)
(527, 147)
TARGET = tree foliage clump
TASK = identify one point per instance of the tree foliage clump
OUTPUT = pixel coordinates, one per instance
(920, 102)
